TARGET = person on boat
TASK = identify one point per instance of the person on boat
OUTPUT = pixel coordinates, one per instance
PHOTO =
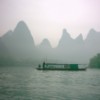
(43, 65)
(39, 66)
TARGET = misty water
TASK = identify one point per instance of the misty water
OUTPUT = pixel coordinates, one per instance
(27, 83)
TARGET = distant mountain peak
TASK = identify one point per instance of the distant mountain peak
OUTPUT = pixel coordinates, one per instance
(92, 30)
(9, 33)
(93, 37)
(22, 32)
(45, 43)
(79, 37)
(65, 39)
(45, 40)
(21, 26)
(65, 34)
(64, 30)
(21, 23)
(92, 34)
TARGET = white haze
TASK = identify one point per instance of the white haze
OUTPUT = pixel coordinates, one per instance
(47, 18)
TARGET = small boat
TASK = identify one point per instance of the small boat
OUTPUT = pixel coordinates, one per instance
(55, 66)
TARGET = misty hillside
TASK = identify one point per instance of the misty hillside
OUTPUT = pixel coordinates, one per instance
(19, 43)
(18, 46)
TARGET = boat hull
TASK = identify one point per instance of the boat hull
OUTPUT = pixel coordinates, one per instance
(81, 69)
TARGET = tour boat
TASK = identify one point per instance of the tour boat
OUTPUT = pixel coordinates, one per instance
(55, 66)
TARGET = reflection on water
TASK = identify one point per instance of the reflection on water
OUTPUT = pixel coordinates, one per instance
(27, 83)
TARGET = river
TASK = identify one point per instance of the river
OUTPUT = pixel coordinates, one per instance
(27, 83)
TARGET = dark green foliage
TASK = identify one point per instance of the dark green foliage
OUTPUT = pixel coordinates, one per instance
(95, 61)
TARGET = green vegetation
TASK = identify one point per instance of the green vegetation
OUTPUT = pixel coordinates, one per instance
(95, 61)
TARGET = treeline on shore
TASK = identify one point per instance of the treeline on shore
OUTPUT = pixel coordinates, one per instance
(95, 61)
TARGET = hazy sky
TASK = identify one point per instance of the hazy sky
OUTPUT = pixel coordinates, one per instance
(47, 18)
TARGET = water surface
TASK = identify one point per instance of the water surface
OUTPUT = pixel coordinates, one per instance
(27, 83)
